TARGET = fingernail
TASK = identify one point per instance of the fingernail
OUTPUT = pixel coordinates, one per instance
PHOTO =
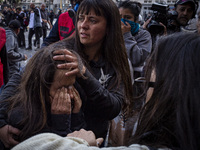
(59, 65)
(70, 87)
(98, 143)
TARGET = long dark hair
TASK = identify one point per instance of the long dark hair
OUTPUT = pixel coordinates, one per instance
(32, 99)
(171, 118)
(113, 48)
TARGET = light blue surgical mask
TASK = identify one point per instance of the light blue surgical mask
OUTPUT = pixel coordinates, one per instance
(134, 26)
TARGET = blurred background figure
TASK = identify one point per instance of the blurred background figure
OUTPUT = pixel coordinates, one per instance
(14, 57)
(51, 16)
(20, 16)
(45, 20)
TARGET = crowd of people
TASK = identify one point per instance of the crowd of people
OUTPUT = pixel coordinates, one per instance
(26, 20)
(101, 79)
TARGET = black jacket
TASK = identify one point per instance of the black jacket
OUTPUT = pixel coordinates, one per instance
(102, 100)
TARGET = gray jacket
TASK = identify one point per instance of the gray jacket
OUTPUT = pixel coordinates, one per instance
(138, 48)
(44, 15)
(37, 18)
(14, 57)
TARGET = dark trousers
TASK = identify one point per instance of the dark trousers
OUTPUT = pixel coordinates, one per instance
(51, 21)
(30, 35)
(44, 32)
(38, 33)
(21, 38)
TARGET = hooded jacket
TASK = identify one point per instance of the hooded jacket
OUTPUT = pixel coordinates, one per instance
(37, 18)
(14, 57)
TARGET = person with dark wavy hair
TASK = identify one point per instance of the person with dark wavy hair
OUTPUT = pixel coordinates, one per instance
(137, 40)
(42, 102)
(170, 119)
(99, 41)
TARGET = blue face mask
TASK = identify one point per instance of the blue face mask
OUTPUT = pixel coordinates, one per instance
(134, 26)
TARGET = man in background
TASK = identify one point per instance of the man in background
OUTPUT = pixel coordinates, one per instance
(45, 20)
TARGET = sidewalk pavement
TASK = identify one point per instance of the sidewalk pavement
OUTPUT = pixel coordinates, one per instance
(29, 53)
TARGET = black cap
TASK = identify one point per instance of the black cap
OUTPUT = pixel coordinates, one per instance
(180, 2)
(15, 24)
(195, 4)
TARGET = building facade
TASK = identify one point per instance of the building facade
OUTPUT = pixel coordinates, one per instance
(50, 4)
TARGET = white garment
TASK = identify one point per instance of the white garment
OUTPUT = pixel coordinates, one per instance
(50, 141)
(31, 21)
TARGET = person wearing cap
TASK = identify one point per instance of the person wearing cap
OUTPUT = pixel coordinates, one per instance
(14, 57)
(186, 10)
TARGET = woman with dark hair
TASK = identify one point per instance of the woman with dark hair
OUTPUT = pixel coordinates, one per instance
(137, 40)
(138, 47)
(99, 42)
(42, 102)
(106, 88)
(170, 119)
